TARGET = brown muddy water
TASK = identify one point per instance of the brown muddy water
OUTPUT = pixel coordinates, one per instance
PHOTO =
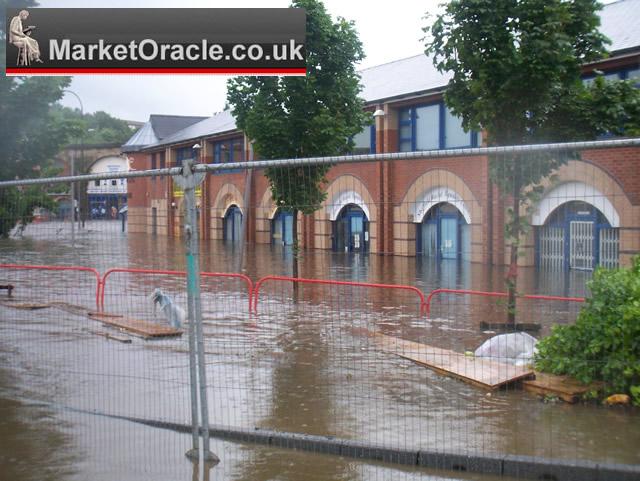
(301, 366)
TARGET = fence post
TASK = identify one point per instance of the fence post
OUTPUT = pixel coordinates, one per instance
(188, 182)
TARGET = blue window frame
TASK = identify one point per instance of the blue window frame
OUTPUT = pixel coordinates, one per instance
(365, 141)
(432, 127)
(183, 153)
(630, 73)
(228, 151)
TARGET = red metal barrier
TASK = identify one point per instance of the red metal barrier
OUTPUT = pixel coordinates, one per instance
(495, 294)
(174, 273)
(61, 268)
(256, 289)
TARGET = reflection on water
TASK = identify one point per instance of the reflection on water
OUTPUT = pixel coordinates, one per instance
(298, 367)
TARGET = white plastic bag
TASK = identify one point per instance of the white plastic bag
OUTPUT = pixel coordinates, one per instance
(515, 348)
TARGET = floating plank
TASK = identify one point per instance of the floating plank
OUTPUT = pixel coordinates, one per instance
(566, 388)
(29, 306)
(145, 329)
(7, 287)
(473, 370)
(113, 337)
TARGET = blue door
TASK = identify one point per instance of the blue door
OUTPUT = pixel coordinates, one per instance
(287, 225)
(233, 225)
(350, 230)
(357, 233)
(282, 228)
(449, 237)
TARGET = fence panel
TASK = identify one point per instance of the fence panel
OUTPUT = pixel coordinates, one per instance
(367, 356)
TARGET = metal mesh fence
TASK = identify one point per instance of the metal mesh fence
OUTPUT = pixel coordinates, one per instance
(348, 356)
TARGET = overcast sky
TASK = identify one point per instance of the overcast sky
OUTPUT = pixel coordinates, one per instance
(388, 31)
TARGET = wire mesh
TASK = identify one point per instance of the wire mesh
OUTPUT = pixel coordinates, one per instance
(363, 369)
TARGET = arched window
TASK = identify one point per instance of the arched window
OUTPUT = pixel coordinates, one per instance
(351, 230)
(444, 233)
(233, 225)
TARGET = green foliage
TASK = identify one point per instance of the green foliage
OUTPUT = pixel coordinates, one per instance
(95, 128)
(17, 205)
(516, 75)
(604, 343)
(315, 115)
(514, 61)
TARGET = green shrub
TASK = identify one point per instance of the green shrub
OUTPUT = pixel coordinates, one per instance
(604, 343)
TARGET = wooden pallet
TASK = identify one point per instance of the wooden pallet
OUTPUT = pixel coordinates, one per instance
(145, 329)
(473, 370)
(563, 387)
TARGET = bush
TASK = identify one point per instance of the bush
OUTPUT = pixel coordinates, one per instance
(604, 343)
(17, 205)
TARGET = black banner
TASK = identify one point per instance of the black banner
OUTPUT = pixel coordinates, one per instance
(65, 41)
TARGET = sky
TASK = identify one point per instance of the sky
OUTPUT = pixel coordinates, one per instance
(388, 30)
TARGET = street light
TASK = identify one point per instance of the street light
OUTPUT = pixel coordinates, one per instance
(73, 170)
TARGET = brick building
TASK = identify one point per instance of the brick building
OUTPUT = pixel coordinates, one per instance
(445, 207)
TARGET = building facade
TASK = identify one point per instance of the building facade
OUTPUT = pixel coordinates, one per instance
(588, 213)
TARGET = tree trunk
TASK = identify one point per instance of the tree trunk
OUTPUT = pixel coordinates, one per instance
(296, 249)
(512, 275)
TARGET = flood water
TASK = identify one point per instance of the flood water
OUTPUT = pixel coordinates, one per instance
(303, 366)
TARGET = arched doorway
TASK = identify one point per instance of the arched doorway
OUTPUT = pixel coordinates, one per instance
(282, 228)
(443, 233)
(351, 230)
(577, 235)
(232, 225)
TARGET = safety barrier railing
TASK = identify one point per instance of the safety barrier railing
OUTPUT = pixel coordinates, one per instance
(300, 280)
(253, 290)
(495, 294)
(61, 268)
(109, 272)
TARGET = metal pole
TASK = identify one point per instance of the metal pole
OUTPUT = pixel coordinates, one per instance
(73, 185)
(73, 200)
(188, 182)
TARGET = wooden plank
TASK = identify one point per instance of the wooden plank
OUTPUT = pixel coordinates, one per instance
(113, 337)
(564, 387)
(29, 306)
(473, 370)
(145, 329)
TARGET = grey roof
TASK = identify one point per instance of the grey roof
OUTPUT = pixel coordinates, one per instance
(166, 125)
(401, 77)
(409, 76)
(157, 128)
(219, 123)
(144, 136)
(620, 21)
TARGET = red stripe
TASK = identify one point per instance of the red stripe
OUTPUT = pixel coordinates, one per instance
(75, 71)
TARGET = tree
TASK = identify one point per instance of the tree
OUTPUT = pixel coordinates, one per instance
(315, 115)
(516, 75)
(96, 128)
(29, 137)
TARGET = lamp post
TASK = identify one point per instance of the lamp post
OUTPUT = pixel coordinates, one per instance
(73, 169)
